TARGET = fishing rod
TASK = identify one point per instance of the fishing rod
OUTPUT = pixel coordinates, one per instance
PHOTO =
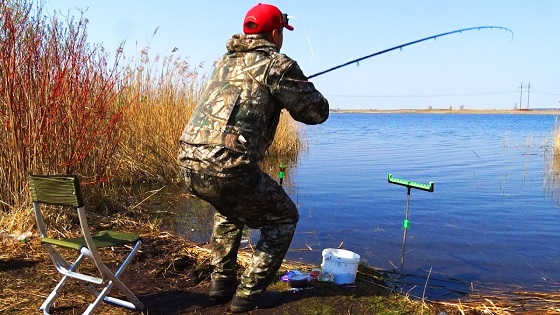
(411, 43)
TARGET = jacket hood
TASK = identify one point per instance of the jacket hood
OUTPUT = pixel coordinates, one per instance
(244, 42)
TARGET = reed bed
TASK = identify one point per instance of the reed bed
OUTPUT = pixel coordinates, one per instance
(556, 140)
(504, 302)
(67, 108)
(552, 165)
(57, 106)
(163, 93)
(288, 140)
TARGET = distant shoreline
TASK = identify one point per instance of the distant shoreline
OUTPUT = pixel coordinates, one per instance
(446, 111)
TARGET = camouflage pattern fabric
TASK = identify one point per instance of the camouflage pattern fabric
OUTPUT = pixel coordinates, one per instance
(236, 119)
(228, 134)
(257, 201)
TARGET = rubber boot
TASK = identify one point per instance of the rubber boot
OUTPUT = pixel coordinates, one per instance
(222, 290)
(241, 304)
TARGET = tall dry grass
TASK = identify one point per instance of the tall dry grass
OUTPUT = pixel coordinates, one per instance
(288, 139)
(164, 92)
(552, 168)
(64, 108)
(57, 100)
(556, 140)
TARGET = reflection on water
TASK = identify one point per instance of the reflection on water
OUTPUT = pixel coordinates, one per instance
(193, 217)
(552, 166)
(271, 165)
(488, 224)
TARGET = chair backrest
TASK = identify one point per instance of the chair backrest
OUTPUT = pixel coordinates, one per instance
(63, 190)
(56, 190)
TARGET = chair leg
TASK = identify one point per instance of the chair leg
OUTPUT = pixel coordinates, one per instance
(48, 301)
(113, 300)
(99, 298)
(129, 294)
(134, 302)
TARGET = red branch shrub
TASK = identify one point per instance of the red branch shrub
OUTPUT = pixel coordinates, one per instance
(58, 111)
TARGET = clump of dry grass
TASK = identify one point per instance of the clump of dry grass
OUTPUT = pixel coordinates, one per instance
(163, 93)
(57, 105)
(552, 168)
(505, 302)
(556, 141)
(64, 110)
(288, 139)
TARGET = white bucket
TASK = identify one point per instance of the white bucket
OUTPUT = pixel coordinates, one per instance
(341, 263)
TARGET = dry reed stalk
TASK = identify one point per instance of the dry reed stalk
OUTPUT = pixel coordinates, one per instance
(64, 110)
(556, 140)
(287, 141)
(552, 168)
(57, 111)
(163, 93)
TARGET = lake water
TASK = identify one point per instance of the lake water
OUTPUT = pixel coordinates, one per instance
(492, 220)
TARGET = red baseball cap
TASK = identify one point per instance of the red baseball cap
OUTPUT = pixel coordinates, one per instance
(265, 18)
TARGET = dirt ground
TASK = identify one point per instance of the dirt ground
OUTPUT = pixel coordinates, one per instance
(171, 281)
(171, 276)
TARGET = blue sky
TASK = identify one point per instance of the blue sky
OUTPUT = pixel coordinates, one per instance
(480, 69)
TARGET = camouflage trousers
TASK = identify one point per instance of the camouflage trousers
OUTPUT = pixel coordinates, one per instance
(256, 200)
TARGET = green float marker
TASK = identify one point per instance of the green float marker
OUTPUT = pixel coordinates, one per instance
(406, 223)
(281, 173)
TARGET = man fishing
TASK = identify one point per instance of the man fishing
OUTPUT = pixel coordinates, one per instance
(228, 134)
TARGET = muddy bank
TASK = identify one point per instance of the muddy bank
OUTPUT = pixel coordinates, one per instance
(171, 276)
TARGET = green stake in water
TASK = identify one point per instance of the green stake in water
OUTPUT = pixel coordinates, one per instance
(281, 173)
(406, 223)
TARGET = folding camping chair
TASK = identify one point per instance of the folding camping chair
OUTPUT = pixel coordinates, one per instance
(65, 190)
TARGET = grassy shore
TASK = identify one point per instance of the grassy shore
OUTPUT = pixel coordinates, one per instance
(447, 111)
(68, 108)
(63, 109)
(171, 275)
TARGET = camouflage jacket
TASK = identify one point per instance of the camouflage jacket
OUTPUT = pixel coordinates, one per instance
(236, 118)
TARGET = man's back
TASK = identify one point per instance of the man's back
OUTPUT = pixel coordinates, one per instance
(241, 105)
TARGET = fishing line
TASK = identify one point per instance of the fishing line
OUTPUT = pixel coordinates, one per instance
(411, 43)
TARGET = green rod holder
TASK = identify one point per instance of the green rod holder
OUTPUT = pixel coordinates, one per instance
(406, 222)
(410, 184)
